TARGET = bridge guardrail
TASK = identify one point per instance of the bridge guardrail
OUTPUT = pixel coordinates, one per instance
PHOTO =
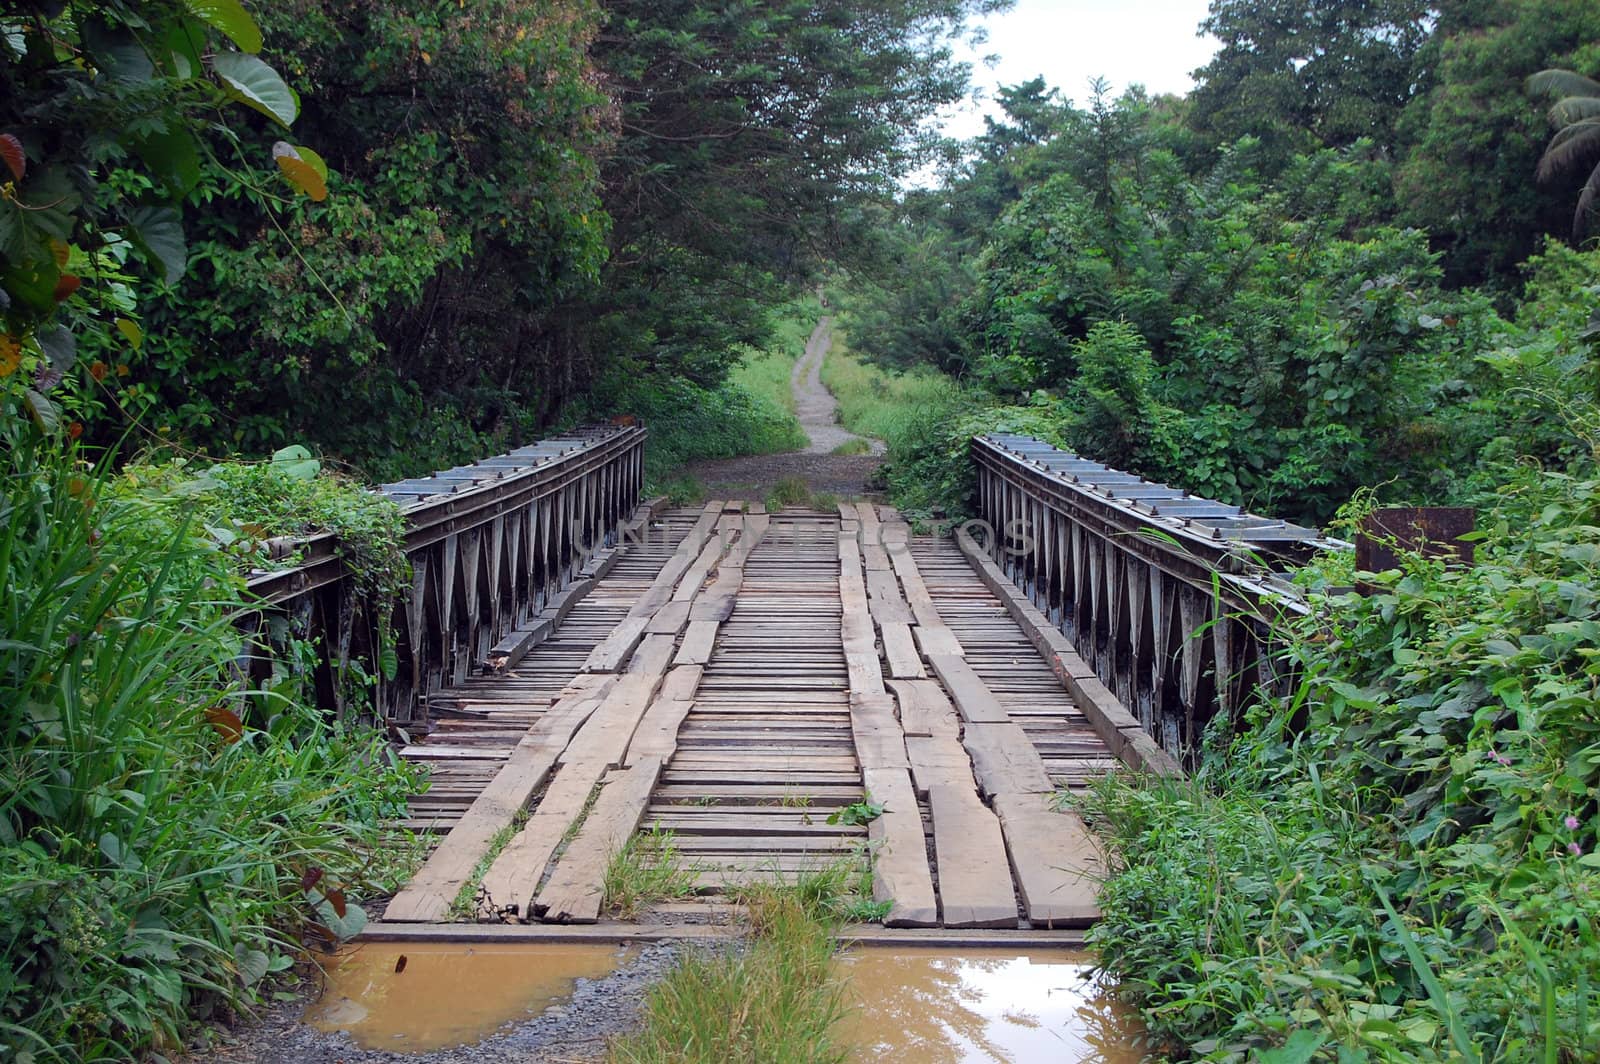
(490, 544)
(1170, 597)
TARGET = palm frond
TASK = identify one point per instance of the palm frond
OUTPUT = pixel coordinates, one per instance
(1574, 109)
(1562, 83)
(1570, 145)
(1586, 201)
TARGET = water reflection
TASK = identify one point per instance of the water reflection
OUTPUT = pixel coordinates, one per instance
(448, 995)
(983, 1006)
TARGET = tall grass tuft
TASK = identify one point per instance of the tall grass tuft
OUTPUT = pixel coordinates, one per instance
(153, 850)
(775, 999)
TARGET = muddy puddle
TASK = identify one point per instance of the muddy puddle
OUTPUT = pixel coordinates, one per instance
(447, 995)
(928, 1006)
(982, 1006)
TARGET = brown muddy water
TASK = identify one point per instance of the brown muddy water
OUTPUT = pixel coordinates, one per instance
(925, 1005)
(983, 1006)
(449, 995)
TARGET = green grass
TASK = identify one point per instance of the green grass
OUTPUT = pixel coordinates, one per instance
(766, 373)
(774, 999)
(877, 403)
(853, 447)
(647, 869)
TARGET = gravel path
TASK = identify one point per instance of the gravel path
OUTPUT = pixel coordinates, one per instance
(574, 1031)
(817, 466)
(814, 405)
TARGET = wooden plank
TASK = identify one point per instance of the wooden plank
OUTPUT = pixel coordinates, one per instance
(905, 662)
(938, 639)
(900, 873)
(669, 619)
(972, 697)
(729, 931)
(600, 744)
(429, 893)
(938, 761)
(697, 643)
(617, 647)
(970, 852)
(1057, 861)
(1005, 761)
(924, 709)
(653, 656)
(657, 734)
(576, 888)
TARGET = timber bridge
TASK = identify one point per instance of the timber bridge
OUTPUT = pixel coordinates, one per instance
(786, 692)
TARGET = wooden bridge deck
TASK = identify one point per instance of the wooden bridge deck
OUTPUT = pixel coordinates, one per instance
(734, 680)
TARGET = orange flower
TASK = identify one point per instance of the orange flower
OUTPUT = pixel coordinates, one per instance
(97, 370)
(75, 429)
(10, 354)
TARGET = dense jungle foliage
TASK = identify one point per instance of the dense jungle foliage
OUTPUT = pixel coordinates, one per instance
(1330, 266)
(491, 219)
(1355, 263)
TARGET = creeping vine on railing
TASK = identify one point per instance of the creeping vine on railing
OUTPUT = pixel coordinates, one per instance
(489, 544)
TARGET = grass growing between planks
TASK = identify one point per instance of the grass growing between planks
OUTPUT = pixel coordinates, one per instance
(773, 999)
(649, 868)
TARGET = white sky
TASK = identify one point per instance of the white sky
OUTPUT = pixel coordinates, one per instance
(1148, 42)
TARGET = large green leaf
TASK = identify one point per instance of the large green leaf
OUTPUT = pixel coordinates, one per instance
(232, 19)
(295, 462)
(158, 231)
(255, 84)
(174, 158)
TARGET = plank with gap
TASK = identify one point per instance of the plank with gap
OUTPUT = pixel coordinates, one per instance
(601, 743)
(972, 697)
(429, 893)
(925, 709)
(576, 888)
(1005, 760)
(900, 873)
(969, 850)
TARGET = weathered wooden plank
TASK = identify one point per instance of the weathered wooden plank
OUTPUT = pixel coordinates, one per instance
(1058, 862)
(972, 697)
(938, 761)
(905, 662)
(924, 709)
(600, 744)
(900, 873)
(576, 888)
(669, 619)
(698, 641)
(1005, 761)
(431, 891)
(971, 854)
(652, 656)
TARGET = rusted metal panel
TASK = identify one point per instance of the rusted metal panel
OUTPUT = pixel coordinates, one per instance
(1432, 531)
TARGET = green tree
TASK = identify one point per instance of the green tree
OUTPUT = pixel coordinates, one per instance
(1302, 75)
(100, 107)
(1472, 140)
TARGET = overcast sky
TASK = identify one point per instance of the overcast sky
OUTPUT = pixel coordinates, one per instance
(1148, 42)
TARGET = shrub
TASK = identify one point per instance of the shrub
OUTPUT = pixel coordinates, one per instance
(1398, 863)
(159, 856)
